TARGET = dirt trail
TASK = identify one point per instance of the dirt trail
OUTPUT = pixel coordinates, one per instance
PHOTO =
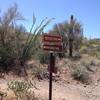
(61, 91)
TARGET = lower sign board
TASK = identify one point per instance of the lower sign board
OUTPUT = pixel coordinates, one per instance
(52, 43)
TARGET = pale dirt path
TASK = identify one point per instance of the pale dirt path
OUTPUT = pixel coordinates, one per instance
(60, 91)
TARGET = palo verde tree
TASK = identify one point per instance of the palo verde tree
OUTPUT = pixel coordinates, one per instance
(71, 32)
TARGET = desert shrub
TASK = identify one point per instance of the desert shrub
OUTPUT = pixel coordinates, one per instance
(43, 57)
(40, 73)
(86, 63)
(81, 74)
(22, 90)
(12, 35)
(91, 65)
(72, 34)
(76, 56)
(97, 55)
(84, 49)
(98, 48)
(6, 59)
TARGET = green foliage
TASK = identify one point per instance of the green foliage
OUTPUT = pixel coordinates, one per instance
(83, 49)
(8, 38)
(5, 59)
(42, 56)
(72, 33)
(15, 42)
(30, 45)
(40, 73)
(81, 74)
(91, 47)
(21, 90)
(19, 86)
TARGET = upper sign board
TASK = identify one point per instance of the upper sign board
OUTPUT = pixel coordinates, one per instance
(52, 43)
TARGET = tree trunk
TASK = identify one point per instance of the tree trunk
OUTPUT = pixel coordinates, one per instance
(70, 48)
(2, 39)
(23, 64)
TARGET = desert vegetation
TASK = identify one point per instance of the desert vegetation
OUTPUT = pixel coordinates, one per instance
(22, 56)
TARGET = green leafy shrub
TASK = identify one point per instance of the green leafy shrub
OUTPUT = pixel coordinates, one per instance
(42, 56)
(31, 42)
(5, 59)
(23, 44)
(40, 73)
(84, 49)
(81, 74)
(22, 90)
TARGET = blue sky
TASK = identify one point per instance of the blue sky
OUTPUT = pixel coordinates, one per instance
(86, 11)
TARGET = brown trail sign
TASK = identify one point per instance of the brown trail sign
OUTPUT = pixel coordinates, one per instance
(52, 44)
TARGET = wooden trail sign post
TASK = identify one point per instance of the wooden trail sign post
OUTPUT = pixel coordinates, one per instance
(52, 44)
